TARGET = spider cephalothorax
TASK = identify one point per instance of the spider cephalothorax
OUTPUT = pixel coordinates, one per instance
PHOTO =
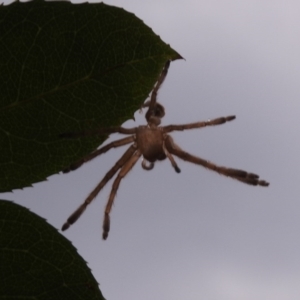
(152, 142)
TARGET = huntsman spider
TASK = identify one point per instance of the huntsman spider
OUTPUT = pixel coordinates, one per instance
(152, 142)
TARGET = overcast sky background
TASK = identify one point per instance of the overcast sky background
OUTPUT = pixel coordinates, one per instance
(198, 235)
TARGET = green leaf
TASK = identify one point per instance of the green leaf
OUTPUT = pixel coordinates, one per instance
(36, 262)
(66, 67)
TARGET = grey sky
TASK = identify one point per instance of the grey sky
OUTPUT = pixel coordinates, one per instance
(198, 235)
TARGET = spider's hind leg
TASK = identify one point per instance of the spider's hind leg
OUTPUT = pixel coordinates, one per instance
(241, 175)
(123, 172)
(119, 164)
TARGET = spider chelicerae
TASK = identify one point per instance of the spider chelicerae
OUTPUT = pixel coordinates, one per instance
(153, 143)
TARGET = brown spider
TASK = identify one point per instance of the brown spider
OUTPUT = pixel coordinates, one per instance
(153, 143)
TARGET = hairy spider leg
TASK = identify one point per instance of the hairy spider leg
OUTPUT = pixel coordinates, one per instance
(123, 172)
(201, 124)
(119, 164)
(171, 158)
(114, 144)
(243, 176)
(153, 97)
(99, 131)
(159, 83)
(181, 127)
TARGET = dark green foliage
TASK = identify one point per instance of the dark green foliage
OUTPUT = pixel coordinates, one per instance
(36, 262)
(66, 67)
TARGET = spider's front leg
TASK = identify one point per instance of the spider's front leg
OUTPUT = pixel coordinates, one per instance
(213, 122)
(156, 111)
(159, 83)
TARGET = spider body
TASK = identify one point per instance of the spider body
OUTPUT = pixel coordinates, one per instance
(153, 143)
(150, 142)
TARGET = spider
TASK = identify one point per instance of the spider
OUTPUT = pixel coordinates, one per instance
(153, 143)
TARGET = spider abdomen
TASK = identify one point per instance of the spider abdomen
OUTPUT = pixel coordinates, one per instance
(150, 143)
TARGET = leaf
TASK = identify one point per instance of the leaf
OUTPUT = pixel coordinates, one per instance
(36, 262)
(66, 67)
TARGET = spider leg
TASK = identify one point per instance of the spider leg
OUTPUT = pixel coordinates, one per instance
(240, 175)
(114, 144)
(123, 172)
(99, 131)
(119, 164)
(213, 122)
(156, 111)
(171, 158)
(160, 81)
